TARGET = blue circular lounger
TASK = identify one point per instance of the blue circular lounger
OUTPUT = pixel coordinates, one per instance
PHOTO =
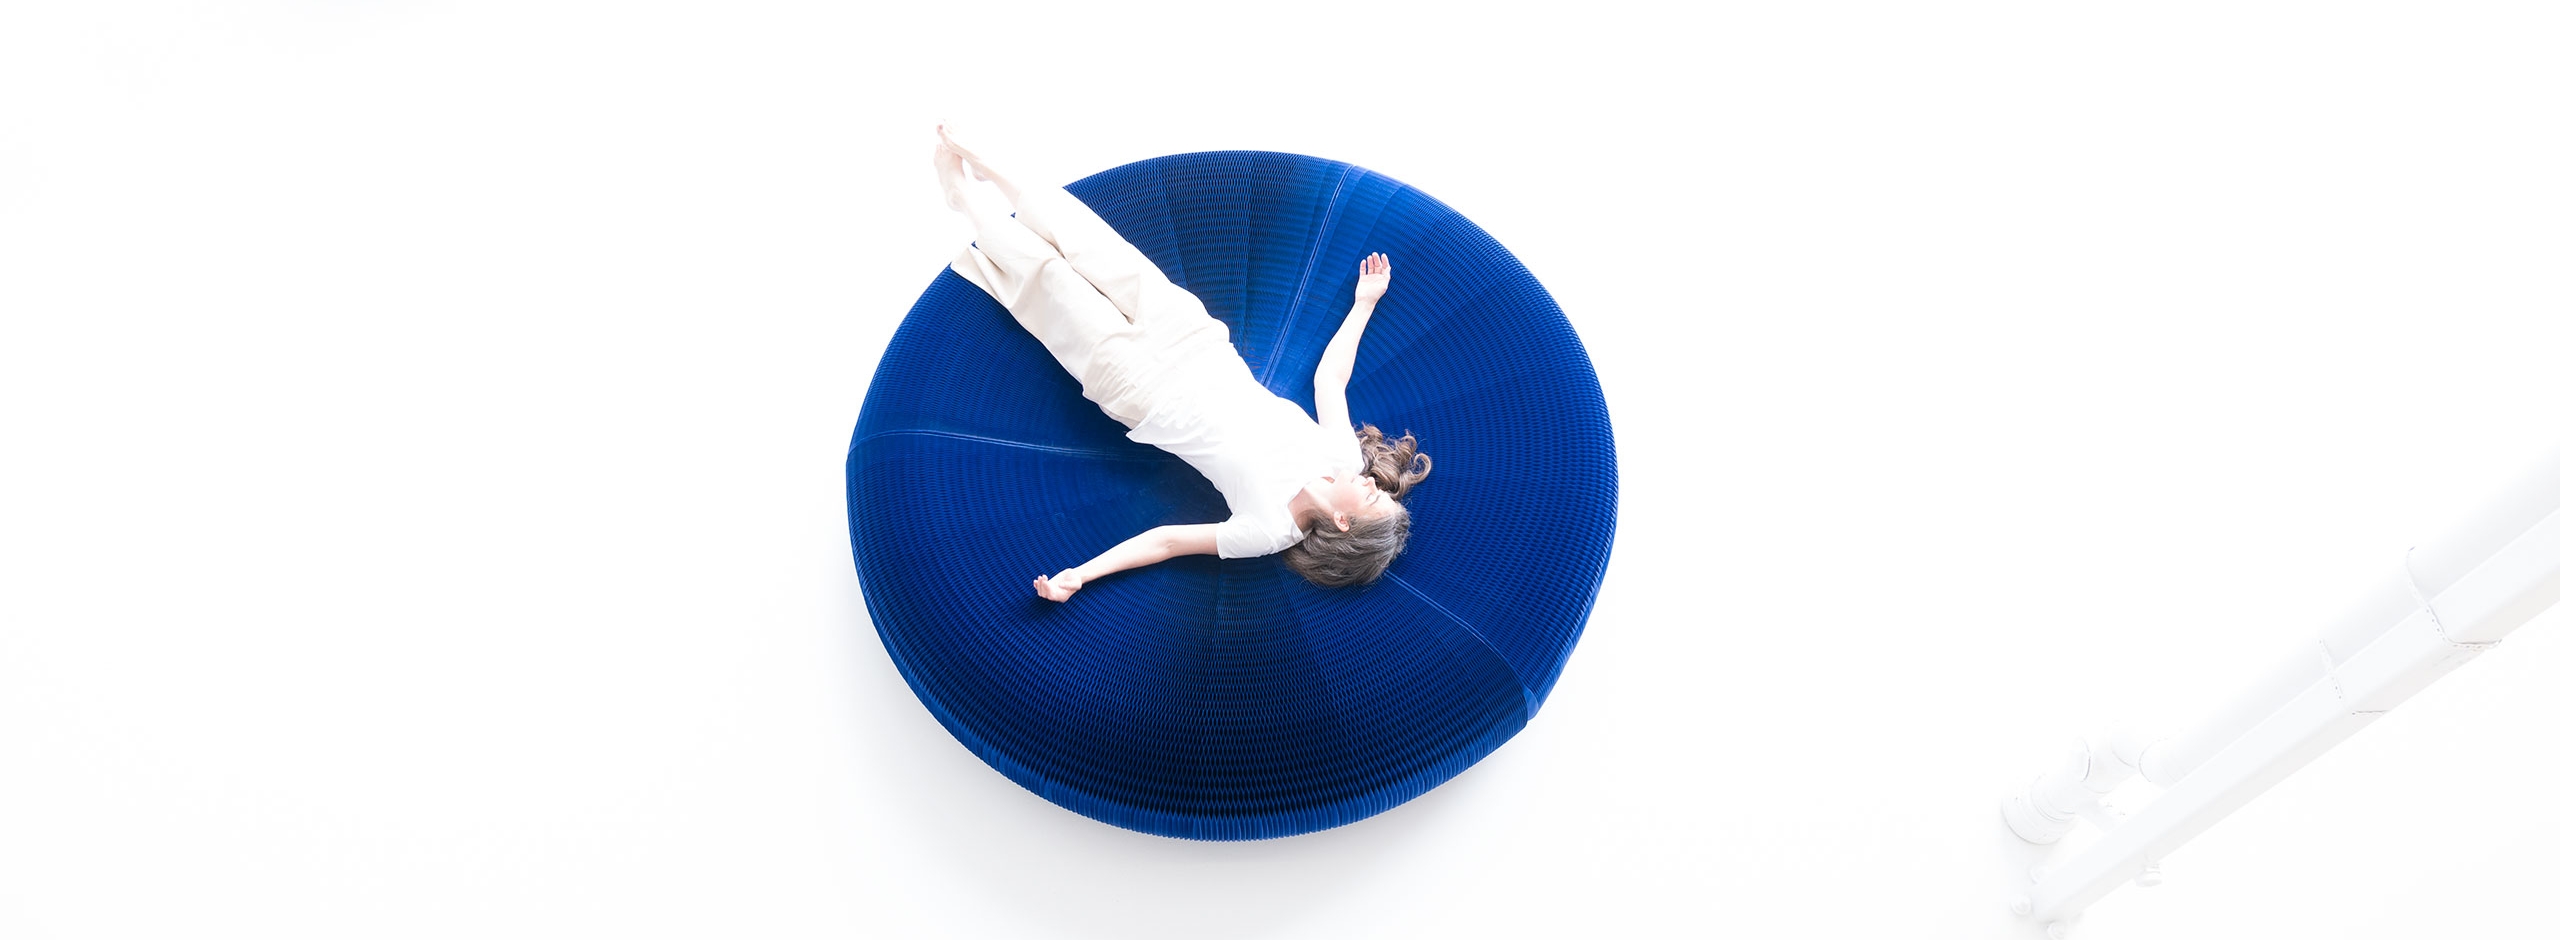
(1213, 699)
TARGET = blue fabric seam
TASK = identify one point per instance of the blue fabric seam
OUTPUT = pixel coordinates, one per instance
(1025, 445)
(1471, 631)
(1315, 255)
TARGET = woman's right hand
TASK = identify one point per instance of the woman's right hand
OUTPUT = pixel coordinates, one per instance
(1373, 279)
(1059, 588)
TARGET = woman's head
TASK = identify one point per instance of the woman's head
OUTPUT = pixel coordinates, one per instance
(1365, 523)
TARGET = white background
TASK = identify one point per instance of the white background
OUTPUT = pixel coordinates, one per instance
(423, 431)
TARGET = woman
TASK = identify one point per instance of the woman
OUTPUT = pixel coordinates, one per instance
(1327, 496)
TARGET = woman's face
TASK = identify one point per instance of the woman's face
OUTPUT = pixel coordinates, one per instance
(1355, 496)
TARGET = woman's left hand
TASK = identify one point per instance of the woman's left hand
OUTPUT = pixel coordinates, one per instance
(1373, 279)
(1061, 587)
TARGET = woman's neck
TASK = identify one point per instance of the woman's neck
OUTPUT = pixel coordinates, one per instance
(1304, 511)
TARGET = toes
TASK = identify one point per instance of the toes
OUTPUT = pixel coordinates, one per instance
(953, 142)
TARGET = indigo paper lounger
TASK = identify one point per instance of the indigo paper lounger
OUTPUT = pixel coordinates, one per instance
(1229, 699)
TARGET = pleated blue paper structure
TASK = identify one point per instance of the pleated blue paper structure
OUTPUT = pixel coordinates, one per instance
(1214, 699)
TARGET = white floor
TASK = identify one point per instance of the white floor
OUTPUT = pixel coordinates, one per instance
(425, 425)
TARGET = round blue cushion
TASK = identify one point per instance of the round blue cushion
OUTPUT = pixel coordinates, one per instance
(1229, 699)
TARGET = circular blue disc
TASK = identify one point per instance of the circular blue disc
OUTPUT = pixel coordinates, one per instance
(1206, 698)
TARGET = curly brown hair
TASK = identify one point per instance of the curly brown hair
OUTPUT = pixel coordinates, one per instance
(1331, 557)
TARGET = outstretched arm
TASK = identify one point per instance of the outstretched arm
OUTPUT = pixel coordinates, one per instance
(1333, 372)
(1138, 551)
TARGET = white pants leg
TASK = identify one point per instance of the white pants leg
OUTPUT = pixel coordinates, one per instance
(1026, 274)
(1112, 265)
(1105, 312)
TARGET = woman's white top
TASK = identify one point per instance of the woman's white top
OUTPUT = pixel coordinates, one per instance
(1257, 448)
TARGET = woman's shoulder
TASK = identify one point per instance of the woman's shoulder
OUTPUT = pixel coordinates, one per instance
(1256, 531)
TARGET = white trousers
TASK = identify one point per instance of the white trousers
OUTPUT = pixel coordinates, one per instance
(1103, 310)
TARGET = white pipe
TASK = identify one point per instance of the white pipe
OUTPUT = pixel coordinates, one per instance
(2508, 582)
(2167, 762)
(2459, 549)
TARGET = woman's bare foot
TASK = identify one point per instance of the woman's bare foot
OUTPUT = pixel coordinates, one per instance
(978, 165)
(955, 181)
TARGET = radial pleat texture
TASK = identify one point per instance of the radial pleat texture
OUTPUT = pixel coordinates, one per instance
(1229, 699)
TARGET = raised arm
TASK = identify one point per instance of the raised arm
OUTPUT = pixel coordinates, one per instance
(1333, 372)
(1138, 551)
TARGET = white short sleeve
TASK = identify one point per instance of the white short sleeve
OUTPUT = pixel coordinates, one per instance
(1244, 536)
